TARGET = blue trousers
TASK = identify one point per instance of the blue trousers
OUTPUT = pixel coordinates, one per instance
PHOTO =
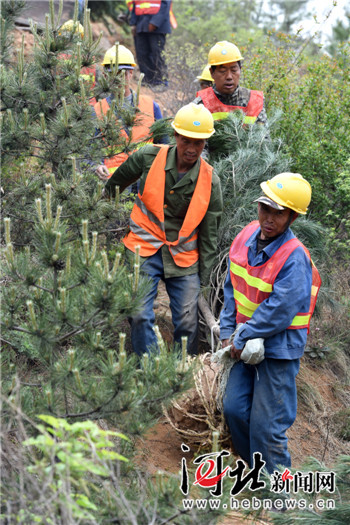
(149, 52)
(260, 404)
(183, 294)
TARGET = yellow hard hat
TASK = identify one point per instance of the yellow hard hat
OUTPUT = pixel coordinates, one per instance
(71, 26)
(223, 53)
(125, 57)
(289, 190)
(194, 121)
(205, 75)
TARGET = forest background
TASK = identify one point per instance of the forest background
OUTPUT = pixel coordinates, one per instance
(67, 292)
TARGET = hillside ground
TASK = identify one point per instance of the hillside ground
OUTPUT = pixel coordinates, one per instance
(323, 395)
(323, 385)
(323, 392)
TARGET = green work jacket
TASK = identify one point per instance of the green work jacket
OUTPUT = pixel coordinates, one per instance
(177, 197)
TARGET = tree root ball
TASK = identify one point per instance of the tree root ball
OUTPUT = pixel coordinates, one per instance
(195, 415)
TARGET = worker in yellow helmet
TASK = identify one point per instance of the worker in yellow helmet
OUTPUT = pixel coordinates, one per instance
(205, 79)
(174, 221)
(149, 109)
(72, 27)
(226, 95)
(269, 297)
(88, 73)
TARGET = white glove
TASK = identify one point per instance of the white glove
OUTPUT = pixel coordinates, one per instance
(253, 352)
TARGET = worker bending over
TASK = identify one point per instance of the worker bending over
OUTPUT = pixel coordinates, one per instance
(270, 293)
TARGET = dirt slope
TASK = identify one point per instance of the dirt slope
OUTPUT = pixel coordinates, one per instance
(321, 393)
(311, 435)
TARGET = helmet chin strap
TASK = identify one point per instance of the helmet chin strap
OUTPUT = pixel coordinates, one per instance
(292, 216)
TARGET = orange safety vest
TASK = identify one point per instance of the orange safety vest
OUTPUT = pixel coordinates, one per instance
(220, 110)
(139, 131)
(147, 8)
(253, 284)
(173, 21)
(147, 227)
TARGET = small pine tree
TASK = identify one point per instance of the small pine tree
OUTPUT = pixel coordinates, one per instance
(63, 307)
(8, 11)
(48, 121)
(67, 290)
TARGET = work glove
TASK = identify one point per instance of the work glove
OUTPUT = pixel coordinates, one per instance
(253, 352)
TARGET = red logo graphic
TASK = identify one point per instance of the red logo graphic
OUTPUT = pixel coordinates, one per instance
(286, 475)
(203, 480)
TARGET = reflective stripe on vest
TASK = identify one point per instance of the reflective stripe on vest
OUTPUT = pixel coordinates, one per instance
(220, 110)
(253, 284)
(139, 131)
(147, 8)
(246, 119)
(147, 227)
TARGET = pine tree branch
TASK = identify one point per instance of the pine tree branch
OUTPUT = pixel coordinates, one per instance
(8, 343)
(36, 145)
(100, 407)
(93, 411)
(19, 329)
(166, 395)
(21, 244)
(15, 153)
(20, 219)
(114, 230)
(43, 288)
(73, 286)
(18, 353)
(79, 329)
(16, 101)
(174, 516)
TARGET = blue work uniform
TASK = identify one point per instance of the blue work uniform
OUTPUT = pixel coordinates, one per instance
(260, 401)
(150, 45)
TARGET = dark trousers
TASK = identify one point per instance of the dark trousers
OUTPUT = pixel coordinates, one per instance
(260, 404)
(149, 52)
